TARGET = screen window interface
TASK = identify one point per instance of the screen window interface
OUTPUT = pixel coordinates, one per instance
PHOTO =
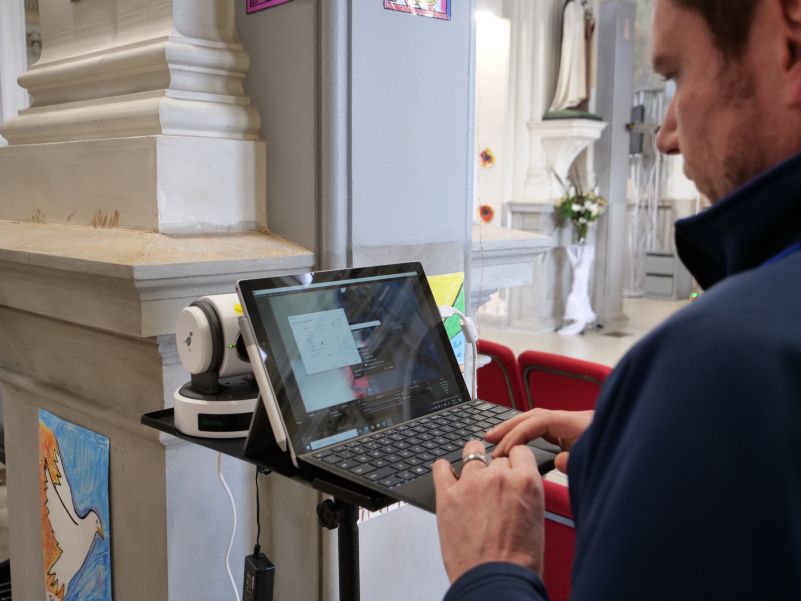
(356, 356)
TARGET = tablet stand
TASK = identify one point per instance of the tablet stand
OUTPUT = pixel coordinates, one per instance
(340, 512)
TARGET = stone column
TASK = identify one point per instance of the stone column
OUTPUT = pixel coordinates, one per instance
(12, 59)
(150, 92)
(139, 129)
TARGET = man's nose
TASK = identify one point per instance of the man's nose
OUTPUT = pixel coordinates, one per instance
(667, 139)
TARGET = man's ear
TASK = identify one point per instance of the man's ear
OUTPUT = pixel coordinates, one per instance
(791, 21)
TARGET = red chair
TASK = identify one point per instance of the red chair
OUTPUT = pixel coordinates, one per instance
(560, 541)
(559, 382)
(499, 381)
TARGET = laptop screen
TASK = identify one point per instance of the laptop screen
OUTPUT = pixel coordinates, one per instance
(352, 351)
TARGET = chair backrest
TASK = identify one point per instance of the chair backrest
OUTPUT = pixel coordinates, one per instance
(559, 382)
(499, 380)
(560, 541)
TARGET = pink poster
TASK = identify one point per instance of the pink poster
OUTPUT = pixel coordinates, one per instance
(438, 9)
(257, 5)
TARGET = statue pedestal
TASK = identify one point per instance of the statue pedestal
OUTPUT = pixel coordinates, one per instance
(554, 147)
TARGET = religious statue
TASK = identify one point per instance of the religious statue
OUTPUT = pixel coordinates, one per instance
(573, 84)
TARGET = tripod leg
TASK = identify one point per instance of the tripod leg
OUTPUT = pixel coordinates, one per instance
(348, 550)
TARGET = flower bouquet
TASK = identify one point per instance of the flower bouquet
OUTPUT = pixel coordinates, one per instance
(581, 208)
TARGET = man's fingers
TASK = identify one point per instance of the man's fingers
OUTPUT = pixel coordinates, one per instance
(521, 434)
(443, 475)
(522, 458)
(473, 447)
(502, 429)
(561, 462)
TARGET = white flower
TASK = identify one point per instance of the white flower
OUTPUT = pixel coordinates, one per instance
(594, 209)
(576, 207)
(583, 220)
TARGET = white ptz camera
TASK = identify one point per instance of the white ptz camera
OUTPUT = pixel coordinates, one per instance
(221, 397)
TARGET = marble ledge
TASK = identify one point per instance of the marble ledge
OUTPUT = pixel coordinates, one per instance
(491, 243)
(134, 254)
(503, 258)
(129, 282)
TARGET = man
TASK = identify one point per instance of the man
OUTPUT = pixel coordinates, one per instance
(687, 483)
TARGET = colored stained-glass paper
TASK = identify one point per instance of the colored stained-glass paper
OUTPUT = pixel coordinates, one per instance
(437, 9)
(257, 5)
(448, 291)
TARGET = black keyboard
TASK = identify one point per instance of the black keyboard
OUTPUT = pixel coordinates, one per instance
(402, 453)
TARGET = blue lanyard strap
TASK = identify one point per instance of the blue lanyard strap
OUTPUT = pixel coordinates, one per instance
(786, 252)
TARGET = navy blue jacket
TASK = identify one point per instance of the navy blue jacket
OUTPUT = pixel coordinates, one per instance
(688, 483)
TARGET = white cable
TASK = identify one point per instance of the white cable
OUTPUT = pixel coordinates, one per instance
(471, 335)
(233, 531)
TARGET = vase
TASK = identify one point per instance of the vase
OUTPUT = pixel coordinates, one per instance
(578, 310)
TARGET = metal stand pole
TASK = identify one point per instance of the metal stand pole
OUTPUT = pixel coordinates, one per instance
(343, 515)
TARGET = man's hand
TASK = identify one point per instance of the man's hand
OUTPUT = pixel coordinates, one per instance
(558, 427)
(490, 513)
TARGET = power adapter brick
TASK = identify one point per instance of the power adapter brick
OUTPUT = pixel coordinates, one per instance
(259, 578)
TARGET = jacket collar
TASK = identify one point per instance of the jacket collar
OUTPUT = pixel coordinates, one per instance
(743, 230)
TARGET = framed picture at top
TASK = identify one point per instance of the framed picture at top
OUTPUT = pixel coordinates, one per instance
(257, 5)
(438, 9)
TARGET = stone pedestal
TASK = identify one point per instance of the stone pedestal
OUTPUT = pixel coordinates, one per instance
(540, 306)
(555, 145)
(85, 332)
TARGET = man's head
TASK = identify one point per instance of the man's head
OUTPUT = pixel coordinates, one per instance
(737, 68)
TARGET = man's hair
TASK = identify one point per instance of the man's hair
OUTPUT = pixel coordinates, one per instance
(728, 20)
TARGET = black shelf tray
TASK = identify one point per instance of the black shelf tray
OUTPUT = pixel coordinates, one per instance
(272, 458)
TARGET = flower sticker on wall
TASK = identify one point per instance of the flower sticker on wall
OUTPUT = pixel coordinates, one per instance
(486, 213)
(486, 158)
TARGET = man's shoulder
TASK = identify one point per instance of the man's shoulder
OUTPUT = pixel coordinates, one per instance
(755, 307)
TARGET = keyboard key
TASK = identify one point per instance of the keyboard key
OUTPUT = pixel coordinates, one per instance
(379, 463)
(322, 454)
(420, 470)
(426, 457)
(391, 481)
(362, 470)
(347, 464)
(405, 453)
(380, 474)
(412, 461)
(393, 458)
(406, 475)
(363, 458)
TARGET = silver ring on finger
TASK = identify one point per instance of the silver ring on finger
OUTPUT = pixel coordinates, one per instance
(474, 457)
